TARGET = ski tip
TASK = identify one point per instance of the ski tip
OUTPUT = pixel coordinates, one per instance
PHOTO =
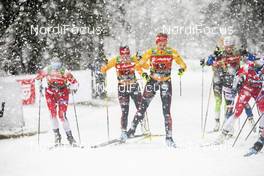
(66, 146)
(250, 153)
(211, 132)
(214, 143)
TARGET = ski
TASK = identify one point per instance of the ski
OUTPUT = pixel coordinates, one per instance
(153, 135)
(150, 137)
(147, 136)
(210, 144)
(211, 132)
(65, 146)
(251, 152)
(117, 141)
(106, 143)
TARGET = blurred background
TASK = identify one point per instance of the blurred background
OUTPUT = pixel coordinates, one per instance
(31, 32)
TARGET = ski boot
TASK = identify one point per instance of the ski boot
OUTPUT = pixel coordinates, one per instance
(123, 136)
(57, 136)
(221, 138)
(131, 133)
(217, 125)
(132, 130)
(256, 147)
(230, 133)
(170, 142)
(252, 151)
(70, 138)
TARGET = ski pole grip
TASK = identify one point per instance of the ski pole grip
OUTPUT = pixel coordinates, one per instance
(2, 110)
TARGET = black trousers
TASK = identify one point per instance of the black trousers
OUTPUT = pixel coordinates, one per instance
(150, 90)
(124, 94)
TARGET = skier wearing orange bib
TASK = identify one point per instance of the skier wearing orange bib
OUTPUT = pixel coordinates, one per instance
(159, 60)
(125, 65)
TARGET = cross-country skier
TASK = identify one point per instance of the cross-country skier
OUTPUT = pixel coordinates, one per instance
(225, 63)
(125, 65)
(160, 61)
(250, 76)
(217, 84)
(60, 83)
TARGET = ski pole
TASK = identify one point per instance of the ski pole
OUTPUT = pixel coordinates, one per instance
(180, 87)
(76, 118)
(40, 94)
(202, 103)
(207, 108)
(147, 119)
(258, 97)
(92, 83)
(254, 126)
(107, 117)
(2, 110)
(239, 132)
(146, 113)
(239, 124)
(107, 113)
(258, 112)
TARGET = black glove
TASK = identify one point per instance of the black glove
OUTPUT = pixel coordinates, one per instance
(145, 76)
(202, 62)
(216, 52)
(180, 71)
(243, 52)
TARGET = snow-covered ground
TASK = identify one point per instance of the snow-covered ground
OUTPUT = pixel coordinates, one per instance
(24, 156)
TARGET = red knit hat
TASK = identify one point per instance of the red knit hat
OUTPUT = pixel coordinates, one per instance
(124, 50)
(161, 37)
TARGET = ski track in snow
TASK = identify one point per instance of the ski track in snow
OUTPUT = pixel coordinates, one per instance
(23, 156)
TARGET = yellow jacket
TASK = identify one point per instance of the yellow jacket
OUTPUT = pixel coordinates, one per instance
(145, 61)
(113, 62)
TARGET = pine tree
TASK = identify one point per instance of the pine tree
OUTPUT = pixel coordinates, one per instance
(246, 17)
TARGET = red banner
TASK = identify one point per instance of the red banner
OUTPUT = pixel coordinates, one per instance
(28, 89)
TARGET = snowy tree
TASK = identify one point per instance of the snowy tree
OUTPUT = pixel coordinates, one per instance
(118, 22)
(246, 18)
(28, 44)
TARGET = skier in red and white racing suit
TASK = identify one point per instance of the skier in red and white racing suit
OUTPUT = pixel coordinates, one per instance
(251, 78)
(60, 83)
